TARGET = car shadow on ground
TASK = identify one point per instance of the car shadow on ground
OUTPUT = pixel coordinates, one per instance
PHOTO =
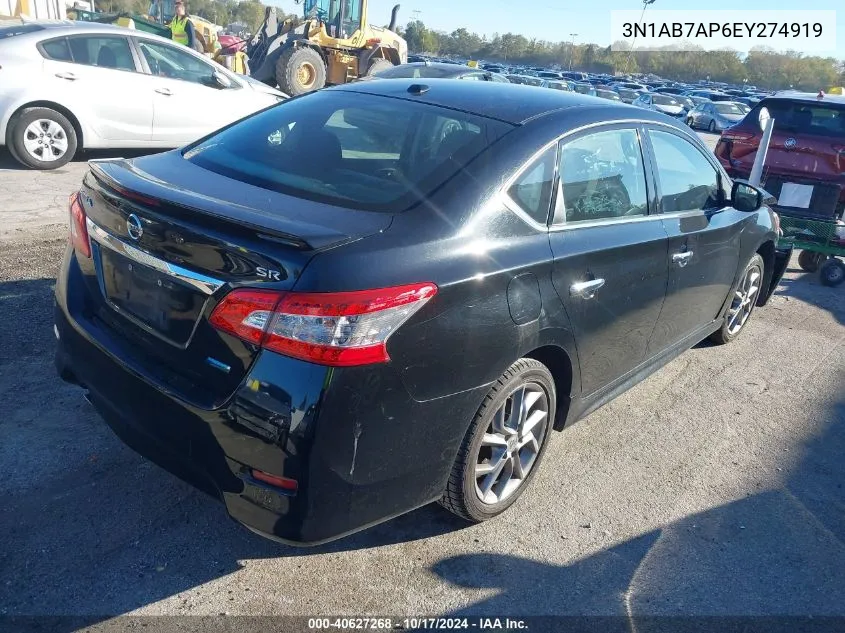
(808, 288)
(91, 529)
(756, 556)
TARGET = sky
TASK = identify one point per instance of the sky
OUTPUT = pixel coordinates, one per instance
(554, 20)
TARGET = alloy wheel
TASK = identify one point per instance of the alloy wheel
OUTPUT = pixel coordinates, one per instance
(45, 140)
(744, 299)
(511, 443)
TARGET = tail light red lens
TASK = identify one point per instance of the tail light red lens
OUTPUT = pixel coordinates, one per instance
(285, 483)
(78, 235)
(340, 329)
(245, 313)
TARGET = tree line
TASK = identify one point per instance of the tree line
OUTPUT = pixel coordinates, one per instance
(764, 68)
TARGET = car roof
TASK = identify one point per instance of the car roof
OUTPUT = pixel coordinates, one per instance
(56, 28)
(505, 102)
(805, 97)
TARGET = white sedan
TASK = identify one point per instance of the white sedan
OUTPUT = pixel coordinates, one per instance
(68, 86)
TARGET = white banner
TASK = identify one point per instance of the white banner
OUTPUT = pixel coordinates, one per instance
(804, 31)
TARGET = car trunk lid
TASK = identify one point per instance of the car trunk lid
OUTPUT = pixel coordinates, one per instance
(167, 249)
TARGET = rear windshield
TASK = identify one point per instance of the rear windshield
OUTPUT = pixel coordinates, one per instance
(728, 108)
(665, 100)
(350, 149)
(806, 118)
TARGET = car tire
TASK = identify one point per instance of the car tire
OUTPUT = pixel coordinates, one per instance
(377, 65)
(810, 261)
(489, 443)
(41, 138)
(300, 70)
(832, 272)
(712, 127)
(744, 298)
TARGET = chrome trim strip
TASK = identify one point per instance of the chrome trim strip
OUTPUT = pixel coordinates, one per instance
(586, 224)
(203, 283)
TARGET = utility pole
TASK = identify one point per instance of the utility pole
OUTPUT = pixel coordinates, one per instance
(631, 54)
(572, 48)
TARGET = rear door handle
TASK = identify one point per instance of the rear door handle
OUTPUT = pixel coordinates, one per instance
(586, 289)
(164, 91)
(66, 75)
(682, 259)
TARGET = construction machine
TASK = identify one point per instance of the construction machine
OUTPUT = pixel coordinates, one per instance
(334, 44)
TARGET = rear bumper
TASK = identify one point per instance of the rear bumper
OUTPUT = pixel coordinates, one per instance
(360, 447)
(830, 204)
(354, 468)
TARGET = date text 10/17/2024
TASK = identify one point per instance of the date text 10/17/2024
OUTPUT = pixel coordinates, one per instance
(430, 624)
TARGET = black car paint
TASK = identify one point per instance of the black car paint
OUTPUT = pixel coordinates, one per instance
(369, 443)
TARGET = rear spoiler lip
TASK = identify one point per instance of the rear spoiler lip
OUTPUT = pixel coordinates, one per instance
(101, 174)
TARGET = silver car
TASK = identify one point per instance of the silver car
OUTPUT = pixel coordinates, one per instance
(665, 104)
(716, 116)
(68, 86)
(558, 84)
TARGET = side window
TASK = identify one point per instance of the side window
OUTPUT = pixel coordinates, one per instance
(102, 51)
(57, 50)
(352, 18)
(169, 61)
(688, 181)
(602, 176)
(532, 191)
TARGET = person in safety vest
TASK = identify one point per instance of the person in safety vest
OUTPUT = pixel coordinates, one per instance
(181, 28)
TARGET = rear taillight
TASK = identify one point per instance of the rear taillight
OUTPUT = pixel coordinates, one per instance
(285, 483)
(78, 229)
(339, 329)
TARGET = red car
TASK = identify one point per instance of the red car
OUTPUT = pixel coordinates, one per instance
(805, 166)
(231, 43)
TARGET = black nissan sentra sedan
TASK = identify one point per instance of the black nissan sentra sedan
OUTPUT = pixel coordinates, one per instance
(389, 293)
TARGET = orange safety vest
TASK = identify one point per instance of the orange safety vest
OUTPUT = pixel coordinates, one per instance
(177, 30)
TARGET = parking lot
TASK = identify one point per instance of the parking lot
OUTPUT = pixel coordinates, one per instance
(715, 487)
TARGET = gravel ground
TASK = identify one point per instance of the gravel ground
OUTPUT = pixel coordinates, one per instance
(715, 487)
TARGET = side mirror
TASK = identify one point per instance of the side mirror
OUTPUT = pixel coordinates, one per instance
(746, 197)
(222, 80)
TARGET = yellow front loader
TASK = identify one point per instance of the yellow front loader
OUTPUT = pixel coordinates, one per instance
(335, 44)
